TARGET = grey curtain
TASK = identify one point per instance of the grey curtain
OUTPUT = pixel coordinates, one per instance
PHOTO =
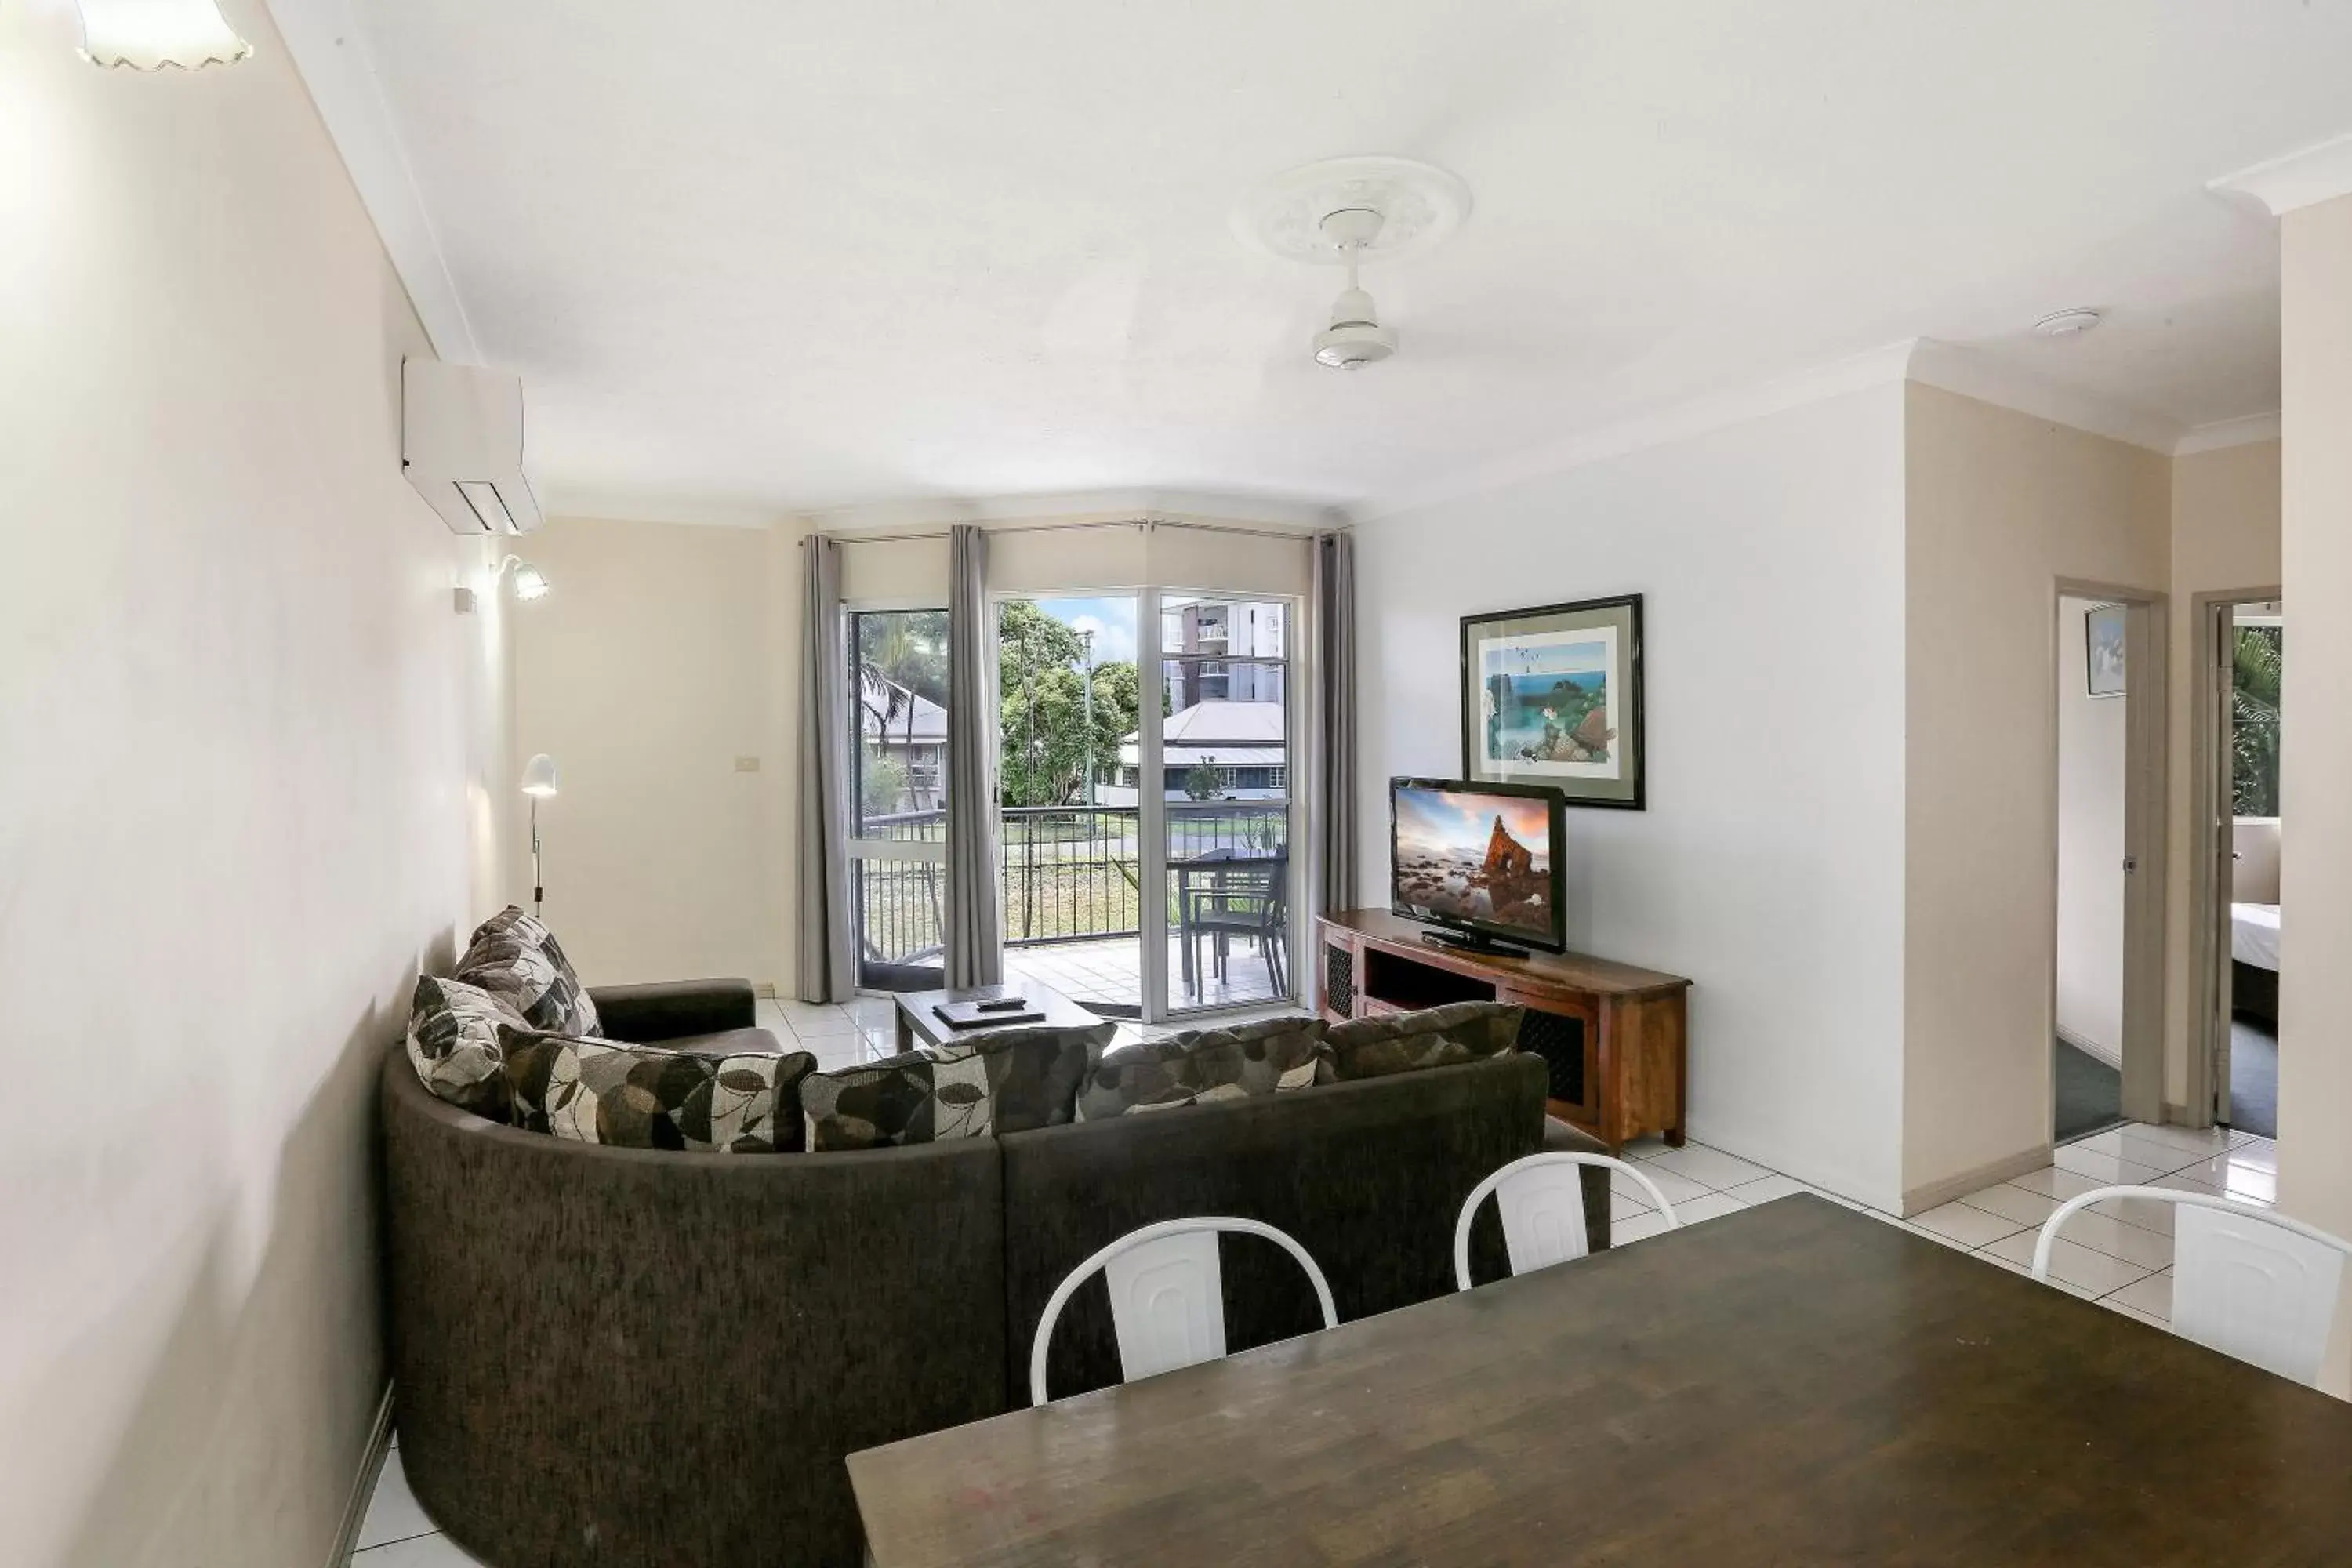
(1335, 730)
(975, 946)
(827, 973)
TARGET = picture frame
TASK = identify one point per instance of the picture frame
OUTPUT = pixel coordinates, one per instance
(2105, 669)
(1552, 695)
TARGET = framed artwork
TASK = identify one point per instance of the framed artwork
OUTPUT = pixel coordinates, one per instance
(1553, 696)
(2103, 650)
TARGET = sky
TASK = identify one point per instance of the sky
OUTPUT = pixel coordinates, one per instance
(1441, 821)
(1112, 620)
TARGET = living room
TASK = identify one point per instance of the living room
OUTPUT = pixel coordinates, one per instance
(1002, 496)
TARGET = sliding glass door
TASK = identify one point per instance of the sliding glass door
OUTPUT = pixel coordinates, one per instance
(1222, 777)
(897, 797)
(1144, 768)
(1071, 840)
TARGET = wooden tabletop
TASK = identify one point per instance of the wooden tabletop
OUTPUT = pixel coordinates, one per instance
(1796, 1383)
(1579, 971)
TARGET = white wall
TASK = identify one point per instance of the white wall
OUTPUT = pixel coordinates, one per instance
(2315, 880)
(2001, 506)
(662, 656)
(1769, 867)
(253, 774)
(2089, 850)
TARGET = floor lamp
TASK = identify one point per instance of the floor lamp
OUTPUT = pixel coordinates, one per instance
(538, 783)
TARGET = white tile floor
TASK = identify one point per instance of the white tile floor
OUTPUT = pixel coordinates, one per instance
(2119, 1254)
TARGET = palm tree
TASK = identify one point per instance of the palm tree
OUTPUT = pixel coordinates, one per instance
(2257, 663)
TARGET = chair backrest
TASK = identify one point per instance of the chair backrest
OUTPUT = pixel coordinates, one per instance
(1167, 1296)
(2245, 1281)
(1542, 1202)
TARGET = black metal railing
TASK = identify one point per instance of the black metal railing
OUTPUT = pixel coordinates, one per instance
(1065, 873)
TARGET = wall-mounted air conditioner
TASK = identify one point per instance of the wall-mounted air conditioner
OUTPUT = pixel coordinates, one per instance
(461, 445)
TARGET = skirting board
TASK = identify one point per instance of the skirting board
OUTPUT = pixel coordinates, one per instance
(1935, 1195)
(355, 1506)
(2095, 1052)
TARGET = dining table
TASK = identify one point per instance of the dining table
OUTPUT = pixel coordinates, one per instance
(1799, 1383)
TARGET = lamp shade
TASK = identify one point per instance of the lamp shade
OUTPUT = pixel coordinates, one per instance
(530, 582)
(148, 34)
(539, 775)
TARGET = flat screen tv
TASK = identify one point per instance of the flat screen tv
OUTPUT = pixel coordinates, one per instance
(1487, 863)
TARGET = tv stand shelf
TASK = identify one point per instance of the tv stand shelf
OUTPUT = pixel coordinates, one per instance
(1615, 1036)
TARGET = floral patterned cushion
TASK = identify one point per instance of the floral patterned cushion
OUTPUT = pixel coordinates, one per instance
(1271, 1056)
(906, 1098)
(453, 1043)
(1032, 1073)
(516, 956)
(642, 1096)
(1408, 1042)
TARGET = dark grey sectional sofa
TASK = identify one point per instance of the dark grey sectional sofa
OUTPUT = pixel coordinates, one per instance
(626, 1357)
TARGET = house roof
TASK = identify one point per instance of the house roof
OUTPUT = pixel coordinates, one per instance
(1237, 734)
(929, 726)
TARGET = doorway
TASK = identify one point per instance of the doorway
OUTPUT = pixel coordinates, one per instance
(2107, 1045)
(2241, 662)
(1145, 766)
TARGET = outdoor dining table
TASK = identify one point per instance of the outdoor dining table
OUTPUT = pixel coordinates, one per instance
(1795, 1384)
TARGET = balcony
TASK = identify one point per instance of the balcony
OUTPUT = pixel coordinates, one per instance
(1071, 881)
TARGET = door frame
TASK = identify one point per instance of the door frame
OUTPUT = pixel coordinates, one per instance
(2145, 638)
(2209, 888)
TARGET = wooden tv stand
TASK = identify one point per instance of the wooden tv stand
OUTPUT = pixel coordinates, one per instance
(1616, 1037)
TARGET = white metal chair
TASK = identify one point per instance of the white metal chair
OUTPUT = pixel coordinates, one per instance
(2247, 1282)
(1542, 1202)
(1167, 1296)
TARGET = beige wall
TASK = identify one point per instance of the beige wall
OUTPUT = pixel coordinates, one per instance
(2001, 506)
(2090, 848)
(253, 775)
(1768, 867)
(2225, 537)
(2316, 872)
(666, 653)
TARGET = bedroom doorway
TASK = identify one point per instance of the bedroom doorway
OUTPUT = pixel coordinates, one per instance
(2106, 1047)
(2242, 660)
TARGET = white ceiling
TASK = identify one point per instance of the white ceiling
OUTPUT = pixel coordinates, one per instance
(784, 255)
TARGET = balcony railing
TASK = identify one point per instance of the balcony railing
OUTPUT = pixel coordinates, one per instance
(1065, 873)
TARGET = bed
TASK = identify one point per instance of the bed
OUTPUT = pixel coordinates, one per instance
(2254, 960)
(2254, 917)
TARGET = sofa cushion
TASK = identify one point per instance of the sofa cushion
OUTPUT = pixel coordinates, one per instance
(517, 957)
(1032, 1073)
(1269, 1057)
(719, 1043)
(453, 1043)
(648, 1097)
(904, 1099)
(1408, 1042)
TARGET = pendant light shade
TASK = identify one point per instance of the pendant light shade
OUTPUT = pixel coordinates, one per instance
(538, 776)
(148, 34)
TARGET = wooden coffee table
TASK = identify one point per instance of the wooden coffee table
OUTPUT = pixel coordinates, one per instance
(918, 1025)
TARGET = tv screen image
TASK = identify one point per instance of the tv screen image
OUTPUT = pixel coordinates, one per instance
(1480, 857)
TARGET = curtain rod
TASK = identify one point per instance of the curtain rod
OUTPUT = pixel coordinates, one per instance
(1147, 524)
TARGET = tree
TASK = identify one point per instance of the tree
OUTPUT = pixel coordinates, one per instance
(2257, 663)
(1045, 746)
(1200, 783)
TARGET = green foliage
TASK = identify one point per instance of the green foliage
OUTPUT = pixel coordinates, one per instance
(2258, 662)
(1201, 781)
(1046, 746)
(882, 781)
